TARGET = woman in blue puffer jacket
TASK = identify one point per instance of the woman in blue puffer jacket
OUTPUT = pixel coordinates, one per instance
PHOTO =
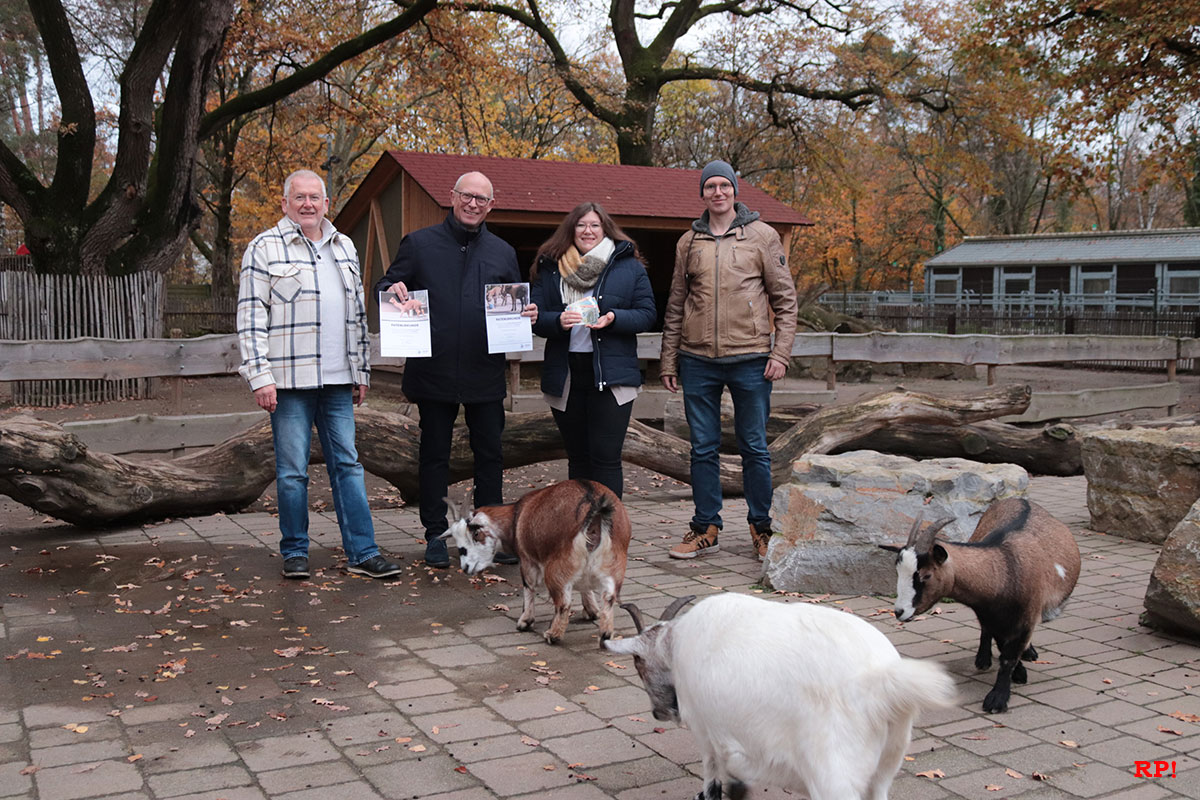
(591, 374)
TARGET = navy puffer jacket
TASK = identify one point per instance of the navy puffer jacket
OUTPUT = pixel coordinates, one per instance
(624, 289)
(454, 264)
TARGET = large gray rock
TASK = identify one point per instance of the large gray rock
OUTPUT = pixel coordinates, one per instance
(835, 510)
(1142, 481)
(1173, 597)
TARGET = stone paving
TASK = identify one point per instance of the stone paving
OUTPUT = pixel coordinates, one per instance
(171, 661)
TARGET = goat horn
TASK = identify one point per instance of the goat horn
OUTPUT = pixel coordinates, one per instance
(677, 604)
(924, 541)
(636, 613)
(914, 531)
(452, 507)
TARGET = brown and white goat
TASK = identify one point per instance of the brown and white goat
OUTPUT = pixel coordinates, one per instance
(570, 535)
(1019, 566)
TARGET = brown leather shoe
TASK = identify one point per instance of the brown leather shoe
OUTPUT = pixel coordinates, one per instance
(697, 543)
(761, 540)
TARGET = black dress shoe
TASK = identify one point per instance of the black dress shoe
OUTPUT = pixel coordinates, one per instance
(295, 567)
(375, 567)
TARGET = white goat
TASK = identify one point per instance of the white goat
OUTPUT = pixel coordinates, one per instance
(796, 696)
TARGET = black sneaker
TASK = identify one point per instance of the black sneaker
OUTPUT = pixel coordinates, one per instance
(436, 553)
(505, 558)
(375, 567)
(295, 567)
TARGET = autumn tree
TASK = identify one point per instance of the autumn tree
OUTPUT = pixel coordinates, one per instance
(140, 218)
(793, 59)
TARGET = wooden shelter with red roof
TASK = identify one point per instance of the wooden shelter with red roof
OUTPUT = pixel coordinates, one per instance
(406, 191)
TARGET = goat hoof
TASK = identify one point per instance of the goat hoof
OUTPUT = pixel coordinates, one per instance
(1020, 674)
(551, 639)
(524, 626)
(1030, 654)
(983, 662)
(996, 702)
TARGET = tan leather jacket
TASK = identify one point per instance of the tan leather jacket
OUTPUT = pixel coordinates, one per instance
(721, 290)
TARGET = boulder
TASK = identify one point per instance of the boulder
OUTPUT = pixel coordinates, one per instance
(1173, 597)
(834, 511)
(1141, 481)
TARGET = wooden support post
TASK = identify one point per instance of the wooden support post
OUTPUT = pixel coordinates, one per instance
(830, 374)
(1171, 378)
(991, 374)
(514, 382)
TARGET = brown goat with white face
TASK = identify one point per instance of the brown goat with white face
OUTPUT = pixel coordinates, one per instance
(570, 535)
(1018, 568)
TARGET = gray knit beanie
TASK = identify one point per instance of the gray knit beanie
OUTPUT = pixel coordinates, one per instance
(714, 169)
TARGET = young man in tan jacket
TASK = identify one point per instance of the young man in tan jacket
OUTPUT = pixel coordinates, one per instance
(730, 269)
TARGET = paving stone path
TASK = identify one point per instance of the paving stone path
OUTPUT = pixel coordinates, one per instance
(172, 661)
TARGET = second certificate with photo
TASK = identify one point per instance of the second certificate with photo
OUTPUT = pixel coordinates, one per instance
(507, 330)
(404, 326)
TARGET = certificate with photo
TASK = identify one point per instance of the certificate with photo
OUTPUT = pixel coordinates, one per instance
(507, 330)
(404, 326)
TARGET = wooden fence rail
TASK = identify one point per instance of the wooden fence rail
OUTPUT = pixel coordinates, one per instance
(217, 354)
(173, 359)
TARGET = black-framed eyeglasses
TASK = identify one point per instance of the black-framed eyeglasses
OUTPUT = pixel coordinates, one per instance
(469, 199)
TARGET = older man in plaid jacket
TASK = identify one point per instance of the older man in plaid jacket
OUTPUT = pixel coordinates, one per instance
(303, 333)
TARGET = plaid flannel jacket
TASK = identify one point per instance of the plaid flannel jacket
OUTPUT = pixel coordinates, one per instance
(278, 314)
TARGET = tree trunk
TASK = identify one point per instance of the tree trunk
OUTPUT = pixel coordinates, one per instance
(48, 469)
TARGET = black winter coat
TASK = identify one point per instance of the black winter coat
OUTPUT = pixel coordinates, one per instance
(624, 289)
(454, 265)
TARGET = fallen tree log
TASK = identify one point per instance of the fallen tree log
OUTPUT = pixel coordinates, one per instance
(51, 470)
(1052, 450)
(836, 426)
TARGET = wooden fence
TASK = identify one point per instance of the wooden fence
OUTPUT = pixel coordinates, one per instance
(967, 319)
(65, 307)
(192, 311)
(218, 355)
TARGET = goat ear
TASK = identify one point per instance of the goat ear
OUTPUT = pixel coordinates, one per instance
(938, 554)
(633, 646)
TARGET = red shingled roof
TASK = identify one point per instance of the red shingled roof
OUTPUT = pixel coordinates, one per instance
(525, 184)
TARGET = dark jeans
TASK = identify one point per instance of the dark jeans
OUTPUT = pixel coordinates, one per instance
(485, 422)
(702, 383)
(593, 427)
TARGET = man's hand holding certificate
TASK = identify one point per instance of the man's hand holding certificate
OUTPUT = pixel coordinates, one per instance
(509, 316)
(404, 324)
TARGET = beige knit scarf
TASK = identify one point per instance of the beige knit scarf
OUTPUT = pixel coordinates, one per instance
(580, 273)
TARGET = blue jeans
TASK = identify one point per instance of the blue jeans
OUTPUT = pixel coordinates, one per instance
(332, 409)
(702, 384)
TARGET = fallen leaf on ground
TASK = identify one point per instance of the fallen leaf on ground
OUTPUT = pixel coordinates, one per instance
(931, 773)
(1012, 773)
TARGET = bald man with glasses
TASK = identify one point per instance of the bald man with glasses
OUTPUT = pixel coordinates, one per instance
(454, 260)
